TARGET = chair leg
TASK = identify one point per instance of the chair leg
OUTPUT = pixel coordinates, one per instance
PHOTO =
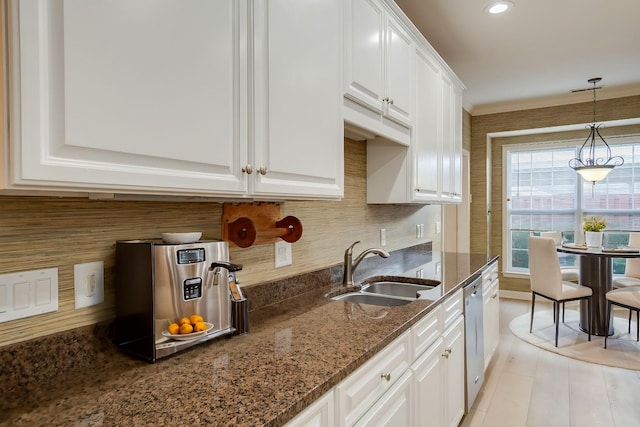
(638, 325)
(606, 323)
(533, 305)
(589, 314)
(562, 312)
(557, 318)
(630, 313)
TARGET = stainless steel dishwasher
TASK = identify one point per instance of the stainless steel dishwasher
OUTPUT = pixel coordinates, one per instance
(474, 343)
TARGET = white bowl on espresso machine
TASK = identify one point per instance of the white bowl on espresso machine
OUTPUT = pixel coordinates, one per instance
(160, 283)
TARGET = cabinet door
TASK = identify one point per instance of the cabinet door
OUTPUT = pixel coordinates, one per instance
(364, 55)
(428, 379)
(451, 141)
(447, 135)
(318, 414)
(456, 140)
(454, 373)
(360, 390)
(426, 143)
(393, 409)
(127, 96)
(491, 320)
(298, 134)
(399, 73)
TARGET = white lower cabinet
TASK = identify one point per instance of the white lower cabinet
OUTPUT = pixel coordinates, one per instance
(394, 408)
(428, 379)
(454, 373)
(360, 390)
(319, 414)
(490, 311)
(417, 380)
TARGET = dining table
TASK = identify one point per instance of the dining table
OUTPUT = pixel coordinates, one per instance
(596, 272)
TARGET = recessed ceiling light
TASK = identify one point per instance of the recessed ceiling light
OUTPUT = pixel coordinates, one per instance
(498, 7)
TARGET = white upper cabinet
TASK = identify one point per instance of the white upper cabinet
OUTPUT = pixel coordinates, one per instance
(417, 92)
(427, 141)
(151, 97)
(298, 138)
(128, 96)
(378, 71)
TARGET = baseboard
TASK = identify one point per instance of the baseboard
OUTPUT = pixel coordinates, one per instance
(515, 295)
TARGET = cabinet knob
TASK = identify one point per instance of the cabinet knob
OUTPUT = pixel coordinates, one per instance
(248, 169)
(445, 355)
(447, 350)
(385, 99)
(262, 170)
(386, 376)
(391, 101)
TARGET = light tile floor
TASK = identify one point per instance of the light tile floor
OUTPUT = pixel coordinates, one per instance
(528, 386)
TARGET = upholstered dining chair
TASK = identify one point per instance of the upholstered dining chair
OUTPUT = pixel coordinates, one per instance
(631, 275)
(546, 281)
(628, 298)
(569, 274)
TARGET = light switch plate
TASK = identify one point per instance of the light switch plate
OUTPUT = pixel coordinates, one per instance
(88, 280)
(28, 293)
(283, 253)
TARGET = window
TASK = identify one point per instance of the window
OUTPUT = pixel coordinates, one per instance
(543, 193)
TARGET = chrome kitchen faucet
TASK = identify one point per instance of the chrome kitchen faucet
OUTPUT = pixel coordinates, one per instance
(350, 265)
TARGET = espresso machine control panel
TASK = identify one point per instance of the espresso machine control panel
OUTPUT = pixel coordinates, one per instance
(192, 289)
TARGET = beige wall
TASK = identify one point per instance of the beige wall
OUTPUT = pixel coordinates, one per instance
(612, 109)
(53, 232)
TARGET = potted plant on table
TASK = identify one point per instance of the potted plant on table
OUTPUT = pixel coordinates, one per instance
(593, 230)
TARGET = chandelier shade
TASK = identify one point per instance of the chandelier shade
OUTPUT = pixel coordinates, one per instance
(589, 163)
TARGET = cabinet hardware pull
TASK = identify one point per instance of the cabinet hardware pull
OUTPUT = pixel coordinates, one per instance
(494, 296)
(385, 99)
(447, 350)
(445, 355)
(262, 171)
(391, 101)
(248, 169)
(386, 376)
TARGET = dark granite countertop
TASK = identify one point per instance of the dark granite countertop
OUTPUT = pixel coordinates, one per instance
(296, 351)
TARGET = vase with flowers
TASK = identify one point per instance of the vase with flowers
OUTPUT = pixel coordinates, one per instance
(593, 231)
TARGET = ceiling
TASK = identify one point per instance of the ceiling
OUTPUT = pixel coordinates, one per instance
(537, 53)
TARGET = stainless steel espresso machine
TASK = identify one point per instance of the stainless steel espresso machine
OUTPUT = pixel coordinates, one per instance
(158, 283)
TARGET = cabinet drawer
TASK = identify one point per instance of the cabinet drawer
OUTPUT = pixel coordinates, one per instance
(490, 275)
(452, 308)
(358, 392)
(426, 331)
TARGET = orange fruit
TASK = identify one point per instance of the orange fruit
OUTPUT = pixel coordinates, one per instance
(200, 326)
(174, 329)
(186, 328)
(194, 318)
(184, 320)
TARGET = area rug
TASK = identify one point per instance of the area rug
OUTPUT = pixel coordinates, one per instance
(623, 351)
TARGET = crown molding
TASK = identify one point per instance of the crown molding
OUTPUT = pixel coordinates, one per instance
(555, 100)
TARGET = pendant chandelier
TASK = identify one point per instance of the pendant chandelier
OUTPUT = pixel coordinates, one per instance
(590, 167)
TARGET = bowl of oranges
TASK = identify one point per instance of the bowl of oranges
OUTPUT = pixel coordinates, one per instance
(188, 328)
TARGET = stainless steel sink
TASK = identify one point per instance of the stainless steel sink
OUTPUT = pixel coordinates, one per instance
(396, 289)
(371, 299)
(387, 292)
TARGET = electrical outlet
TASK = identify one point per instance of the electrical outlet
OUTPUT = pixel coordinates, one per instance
(88, 281)
(282, 253)
(438, 227)
(420, 273)
(417, 231)
(383, 237)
